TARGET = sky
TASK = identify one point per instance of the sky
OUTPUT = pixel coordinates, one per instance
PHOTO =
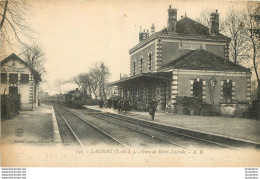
(76, 34)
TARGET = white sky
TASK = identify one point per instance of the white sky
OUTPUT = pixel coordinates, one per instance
(75, 34)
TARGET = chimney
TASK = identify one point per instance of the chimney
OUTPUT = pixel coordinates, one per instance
(152, 29)
(172, 19)
(143, 35)
(214, 23)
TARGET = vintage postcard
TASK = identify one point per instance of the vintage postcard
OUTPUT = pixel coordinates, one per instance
(147, 83)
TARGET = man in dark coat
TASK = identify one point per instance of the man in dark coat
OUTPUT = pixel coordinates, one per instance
(120, 105)
(152, 108)
(101, 103)
(126, 105)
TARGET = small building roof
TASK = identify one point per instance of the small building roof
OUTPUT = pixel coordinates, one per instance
(13, 56)
(204, 60)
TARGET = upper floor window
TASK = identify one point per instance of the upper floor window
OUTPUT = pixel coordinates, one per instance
(134, 68)
(227, 91)
(150, 61)
(24, 78)
(197, 89)
(3, 77)
(13, 78)
(141, 65)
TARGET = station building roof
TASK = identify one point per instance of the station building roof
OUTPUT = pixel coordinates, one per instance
(204, 60)
(186, 28)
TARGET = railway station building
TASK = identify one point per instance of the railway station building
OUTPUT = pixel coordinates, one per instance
(185, 59)
(19, 79)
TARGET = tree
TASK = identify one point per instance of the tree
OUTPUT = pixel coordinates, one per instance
(252, 32)
(231, 27)
(94, 82)
(12, 22)
(100, 74)
(95, 79)
(204, 17)
(35, 57)
(84, 82)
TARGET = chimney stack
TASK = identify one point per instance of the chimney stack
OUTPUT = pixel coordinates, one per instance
(143, 35)
(172, 19)
(152, 29)
(214, 23)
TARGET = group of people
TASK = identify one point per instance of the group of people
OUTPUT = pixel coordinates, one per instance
(124, 105)
(120, 104)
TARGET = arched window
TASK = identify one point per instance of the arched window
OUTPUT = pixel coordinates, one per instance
(141, 65)
(227, 91)
(197, 89)
(150, 61)
(134, 68)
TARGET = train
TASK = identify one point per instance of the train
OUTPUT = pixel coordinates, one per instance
(73, 99)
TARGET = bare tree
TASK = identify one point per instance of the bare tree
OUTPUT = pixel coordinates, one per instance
(95, 79)
(94, 82)
(204, 17)
(252, 31)
(231, 27)
(58, 85)
(100, 74)
(35, 57)
(12, 22)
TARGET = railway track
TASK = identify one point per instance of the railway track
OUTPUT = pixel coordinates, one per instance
(183, 139)
(171, 138)
(133, 135)
(85, 133)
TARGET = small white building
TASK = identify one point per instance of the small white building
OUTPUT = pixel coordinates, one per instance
(17, 77)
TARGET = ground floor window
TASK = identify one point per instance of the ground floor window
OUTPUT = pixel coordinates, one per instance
(197, 89)
(227, 91)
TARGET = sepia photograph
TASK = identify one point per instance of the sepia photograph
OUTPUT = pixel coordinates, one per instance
(94, 83)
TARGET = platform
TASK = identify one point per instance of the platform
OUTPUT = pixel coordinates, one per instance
(31, 128)
(235, 128)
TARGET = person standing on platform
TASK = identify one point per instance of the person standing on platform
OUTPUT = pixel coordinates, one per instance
(120, 104)
(152, 108)
(101, 103)
(126, 105)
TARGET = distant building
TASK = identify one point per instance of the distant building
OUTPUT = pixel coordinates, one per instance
(185, 59)
(18, 78)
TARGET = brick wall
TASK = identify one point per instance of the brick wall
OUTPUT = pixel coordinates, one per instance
(144, 54)
(241, 91)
